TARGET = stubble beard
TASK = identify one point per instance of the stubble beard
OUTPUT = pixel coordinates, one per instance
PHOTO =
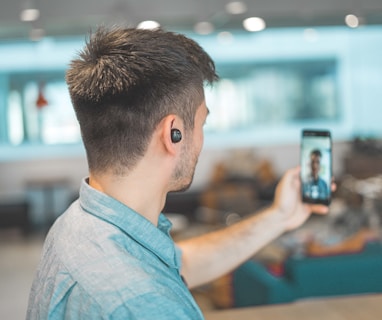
(185, 170)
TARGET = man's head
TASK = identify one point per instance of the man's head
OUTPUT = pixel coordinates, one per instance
(315, 162)
(125, 82)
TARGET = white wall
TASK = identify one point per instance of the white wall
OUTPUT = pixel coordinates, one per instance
(15, 175)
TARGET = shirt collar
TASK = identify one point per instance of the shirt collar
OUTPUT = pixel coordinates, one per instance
(156, 239)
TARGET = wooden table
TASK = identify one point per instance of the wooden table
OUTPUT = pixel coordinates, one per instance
(363, 307)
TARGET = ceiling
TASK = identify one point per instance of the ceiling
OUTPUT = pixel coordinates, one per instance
(74, 17)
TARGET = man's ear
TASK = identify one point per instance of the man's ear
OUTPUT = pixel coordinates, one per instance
(171, 128)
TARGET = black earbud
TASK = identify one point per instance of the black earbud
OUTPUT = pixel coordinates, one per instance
(176, 135)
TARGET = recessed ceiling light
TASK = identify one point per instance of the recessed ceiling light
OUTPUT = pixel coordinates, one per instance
(352, 21)
(204, 27)
(29, 15)
(225, 37)
(148, 24)
(254, 24)
(36, 34)
(236, 7)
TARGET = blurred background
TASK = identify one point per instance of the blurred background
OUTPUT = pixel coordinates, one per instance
(284, 66)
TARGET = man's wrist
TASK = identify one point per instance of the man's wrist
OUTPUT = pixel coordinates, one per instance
(279, 217)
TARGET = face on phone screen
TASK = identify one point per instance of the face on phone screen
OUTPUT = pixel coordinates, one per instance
(316, 166)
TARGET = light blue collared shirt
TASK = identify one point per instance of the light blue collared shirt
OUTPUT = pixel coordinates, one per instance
(102, 260)
(316, 188)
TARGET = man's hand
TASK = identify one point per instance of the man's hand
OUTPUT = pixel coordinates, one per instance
(288, 202)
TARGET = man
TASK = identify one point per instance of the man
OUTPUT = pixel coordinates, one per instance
(315, 187)
(139, 99)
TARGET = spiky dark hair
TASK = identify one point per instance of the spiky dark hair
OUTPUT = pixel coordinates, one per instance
(125, 81)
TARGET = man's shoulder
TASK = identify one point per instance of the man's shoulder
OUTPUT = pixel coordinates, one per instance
(322, 181)
(127, 291)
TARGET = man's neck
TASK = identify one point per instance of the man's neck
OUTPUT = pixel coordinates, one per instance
(139, 193)
(315, 177)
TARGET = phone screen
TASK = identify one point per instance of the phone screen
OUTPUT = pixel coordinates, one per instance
(316, 166)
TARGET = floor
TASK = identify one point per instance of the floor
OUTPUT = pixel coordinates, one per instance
(19, 256)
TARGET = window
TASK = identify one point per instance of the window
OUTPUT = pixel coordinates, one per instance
(39, 110)
(274, 93)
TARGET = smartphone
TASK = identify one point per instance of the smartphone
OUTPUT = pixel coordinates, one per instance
(316, 166)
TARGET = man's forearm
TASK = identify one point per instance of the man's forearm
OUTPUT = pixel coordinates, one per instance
(212, 255)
